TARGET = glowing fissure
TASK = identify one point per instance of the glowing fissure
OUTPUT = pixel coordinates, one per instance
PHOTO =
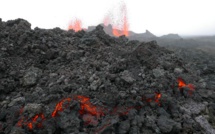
(30, 124)
(181, 84)
(86, 107)
(59, 107)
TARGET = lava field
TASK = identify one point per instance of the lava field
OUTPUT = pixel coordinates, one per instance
(66, 82)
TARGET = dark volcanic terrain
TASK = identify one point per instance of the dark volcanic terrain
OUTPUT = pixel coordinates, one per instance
(65, 82)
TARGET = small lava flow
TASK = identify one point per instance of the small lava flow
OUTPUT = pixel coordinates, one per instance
(61, 82)
(182, 84)
(87, 108)
(34, 121)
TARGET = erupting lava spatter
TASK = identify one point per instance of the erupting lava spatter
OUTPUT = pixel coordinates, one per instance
(106, 21)
(125, 20)
(181, 84)
(122, 29)
(75, 25)
(122, 26)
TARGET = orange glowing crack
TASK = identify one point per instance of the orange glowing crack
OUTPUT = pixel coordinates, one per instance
(59, 106)
(20, 122)
(157, 98)
(181, 84)
(30, 123)
(34, 120)
(87, 106)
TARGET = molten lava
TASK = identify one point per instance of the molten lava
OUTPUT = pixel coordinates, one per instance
(181, 84)
(34, 120)
(91, 114)
(88, 107)
(116, 32)
(75, 25)
(59, 106)
(24, 122)
(157, 98)
(122, 26)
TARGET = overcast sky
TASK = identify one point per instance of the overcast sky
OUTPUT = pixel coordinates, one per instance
(185, 17)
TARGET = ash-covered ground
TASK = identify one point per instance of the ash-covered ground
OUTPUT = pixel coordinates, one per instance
(65, 82)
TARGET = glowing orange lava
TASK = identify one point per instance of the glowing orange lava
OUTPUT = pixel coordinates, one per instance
(76, 25)
(157, 98)
(181, 84)
(24, 122)
(88, 107)
(34, 120)
(20, 122)
(59, 106)
(121, 27)
(92, 113)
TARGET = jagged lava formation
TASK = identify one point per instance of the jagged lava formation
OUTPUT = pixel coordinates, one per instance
(66, 82)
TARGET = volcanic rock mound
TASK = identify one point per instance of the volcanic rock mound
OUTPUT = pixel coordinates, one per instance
(55, 81)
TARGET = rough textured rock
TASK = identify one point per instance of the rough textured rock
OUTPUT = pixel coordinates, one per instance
(124, 127)
(127, 77)
(33, 108)
(165, 124)
(55, 81)
(204, 124)
(193, 108)
(31, 76)
(17, 101)
(16, 130)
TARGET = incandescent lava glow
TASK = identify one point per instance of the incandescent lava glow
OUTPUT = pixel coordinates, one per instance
(88, 107)
(31, 123)
(75, 25)
(59, 107)
(91, 113)
(156, 98)
(121, 27)
(34, 120)
(181, 84)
